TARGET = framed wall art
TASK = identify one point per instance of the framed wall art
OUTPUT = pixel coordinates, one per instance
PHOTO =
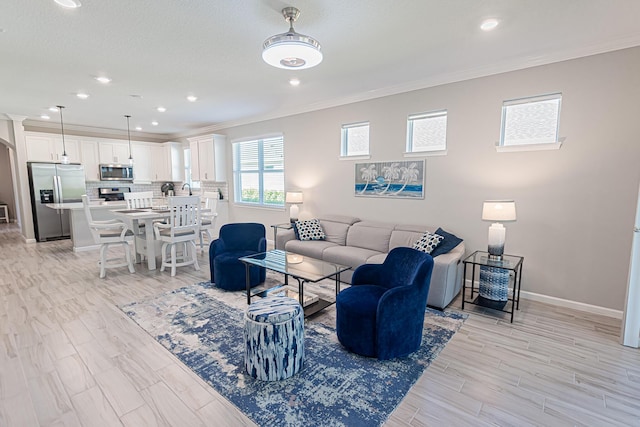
(395, 179)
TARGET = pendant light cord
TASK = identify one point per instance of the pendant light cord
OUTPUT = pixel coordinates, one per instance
(129, 137)
(64, 147)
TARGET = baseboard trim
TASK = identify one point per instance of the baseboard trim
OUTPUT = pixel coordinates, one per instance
(560, 302)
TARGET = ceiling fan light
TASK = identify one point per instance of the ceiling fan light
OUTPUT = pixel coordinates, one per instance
(70, 4)
(292, 51)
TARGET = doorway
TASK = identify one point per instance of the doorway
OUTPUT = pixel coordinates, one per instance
(631, 318)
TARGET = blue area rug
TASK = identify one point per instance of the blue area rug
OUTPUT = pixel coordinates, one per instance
(334, 387)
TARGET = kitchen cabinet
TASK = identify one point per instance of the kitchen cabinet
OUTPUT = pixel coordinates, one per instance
(160, 160)
(48, 148)
(90, 159)
(112, 152)
(208, 158)
(142, 163)
(175, 155)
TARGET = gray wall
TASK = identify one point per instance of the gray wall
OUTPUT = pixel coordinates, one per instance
(575, 205)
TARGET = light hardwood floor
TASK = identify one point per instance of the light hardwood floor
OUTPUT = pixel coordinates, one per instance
(70, 357)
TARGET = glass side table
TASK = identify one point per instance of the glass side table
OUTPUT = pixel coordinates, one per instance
(505, 271)
(276, 227)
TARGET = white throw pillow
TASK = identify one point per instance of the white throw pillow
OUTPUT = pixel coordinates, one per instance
(310, 230)
(428, 242)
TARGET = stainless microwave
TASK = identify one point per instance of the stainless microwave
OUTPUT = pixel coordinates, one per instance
(110, 172)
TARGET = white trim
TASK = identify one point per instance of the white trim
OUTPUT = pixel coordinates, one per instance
(575, 305)
(529, 147)
(256, 138)
(86, 248)
(354, 157)
(560, 302)
(433, 153)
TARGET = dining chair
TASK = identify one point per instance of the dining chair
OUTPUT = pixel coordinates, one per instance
(208, 219)
(106, 234)
(182, 228)
(139, 199)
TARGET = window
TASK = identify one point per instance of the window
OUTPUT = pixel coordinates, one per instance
(427, 132)
(258, 172)
(529, 121)
(355, 139)
(187, 170)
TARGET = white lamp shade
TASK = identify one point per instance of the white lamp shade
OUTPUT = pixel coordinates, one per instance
(293, 197)
(499, 210)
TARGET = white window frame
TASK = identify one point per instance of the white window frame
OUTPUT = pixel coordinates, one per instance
(344, 144)
(504, 146)
(194, 185)
(439, 151)
(261, 171)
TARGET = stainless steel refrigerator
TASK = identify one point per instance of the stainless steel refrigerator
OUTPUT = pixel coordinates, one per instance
(54, 183)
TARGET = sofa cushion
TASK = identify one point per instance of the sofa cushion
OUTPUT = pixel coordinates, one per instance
(370, 235)
(450, 241)
(335, 232)
(310, 230)
(348, 255)
(312, 248)
(428, 242)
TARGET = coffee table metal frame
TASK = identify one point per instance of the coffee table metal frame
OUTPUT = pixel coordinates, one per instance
(302, 268)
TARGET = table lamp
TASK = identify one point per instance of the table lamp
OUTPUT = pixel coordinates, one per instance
(294, 198)
(498, 211)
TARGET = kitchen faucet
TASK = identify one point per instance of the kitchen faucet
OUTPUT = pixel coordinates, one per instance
(186, 184)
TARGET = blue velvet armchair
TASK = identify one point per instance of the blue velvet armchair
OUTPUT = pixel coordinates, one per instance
(382, 313)
(236, 241)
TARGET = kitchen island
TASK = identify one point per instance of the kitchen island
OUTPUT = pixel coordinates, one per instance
(80, 233)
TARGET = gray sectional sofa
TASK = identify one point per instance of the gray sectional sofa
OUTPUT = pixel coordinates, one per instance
(350, 241)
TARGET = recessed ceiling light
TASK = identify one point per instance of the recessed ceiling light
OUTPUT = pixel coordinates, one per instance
(44, 116)
(294, 82)
(82, 95)
(53, 109)
(192, 98)
(138, 128)
(154, 123)
(489, 24)
(104, 80)
(161, 109)
(71, 4)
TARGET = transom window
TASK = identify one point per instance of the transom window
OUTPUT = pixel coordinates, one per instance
(258, 172)
(355, 139)
(533, 120)
(427, 132)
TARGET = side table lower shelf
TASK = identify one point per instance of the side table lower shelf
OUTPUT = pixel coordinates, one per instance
(494, 282)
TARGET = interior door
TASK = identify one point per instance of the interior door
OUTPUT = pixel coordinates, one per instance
(631, 318)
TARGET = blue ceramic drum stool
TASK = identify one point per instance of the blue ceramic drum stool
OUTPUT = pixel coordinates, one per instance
(274, 338)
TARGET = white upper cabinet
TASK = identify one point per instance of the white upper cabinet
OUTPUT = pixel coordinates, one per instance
(49, 148)
(90, 159)
(208, 157)
(114, 152)
(142, 164)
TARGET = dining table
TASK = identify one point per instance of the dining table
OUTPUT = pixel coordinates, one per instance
(134, 218)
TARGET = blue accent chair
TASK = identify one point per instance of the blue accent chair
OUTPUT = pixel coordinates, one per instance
(237, 241)
(382, 313)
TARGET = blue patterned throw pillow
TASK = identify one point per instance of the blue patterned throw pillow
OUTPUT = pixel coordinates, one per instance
(428, 242)
(310, 230)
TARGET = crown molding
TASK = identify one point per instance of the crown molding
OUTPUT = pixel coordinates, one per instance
(439, 80)
(79, 130)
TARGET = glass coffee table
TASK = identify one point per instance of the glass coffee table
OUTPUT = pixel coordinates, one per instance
(302, 268)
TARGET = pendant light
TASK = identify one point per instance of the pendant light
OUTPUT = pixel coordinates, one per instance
(64, 159)
(129, 136)
(291, 50)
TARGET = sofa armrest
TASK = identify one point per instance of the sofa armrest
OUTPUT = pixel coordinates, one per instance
(282, 237)
(446, 279)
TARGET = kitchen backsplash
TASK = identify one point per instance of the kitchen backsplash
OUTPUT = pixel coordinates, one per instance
(92, 188)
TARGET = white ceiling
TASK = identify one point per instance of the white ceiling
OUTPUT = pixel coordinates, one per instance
(164, 50)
